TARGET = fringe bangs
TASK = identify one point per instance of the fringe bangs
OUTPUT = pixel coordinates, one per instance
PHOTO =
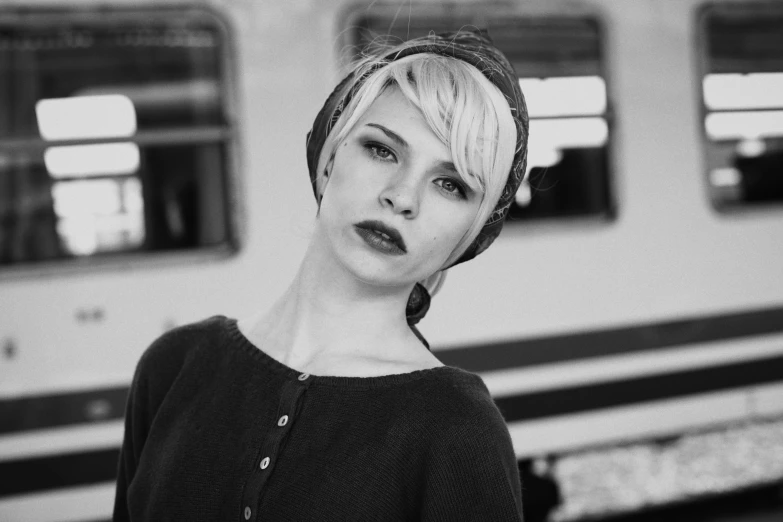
(471, 117)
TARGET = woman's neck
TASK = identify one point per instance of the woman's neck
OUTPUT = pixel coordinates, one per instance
(329, 323)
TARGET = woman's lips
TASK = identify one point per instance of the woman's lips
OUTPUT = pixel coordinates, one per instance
(379, 241)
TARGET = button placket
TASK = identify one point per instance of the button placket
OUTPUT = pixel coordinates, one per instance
(291, 395)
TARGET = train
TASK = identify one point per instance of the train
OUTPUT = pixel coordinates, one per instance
(629, 319)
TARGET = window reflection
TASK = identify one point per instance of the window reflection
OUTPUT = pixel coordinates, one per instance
(113, 134)
(743, 98)
(559, 63)
(102, 116)
(99, 215)
(103, 159)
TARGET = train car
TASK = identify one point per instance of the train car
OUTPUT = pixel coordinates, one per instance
(628, 321)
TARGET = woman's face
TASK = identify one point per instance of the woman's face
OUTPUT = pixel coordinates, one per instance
(394, 207)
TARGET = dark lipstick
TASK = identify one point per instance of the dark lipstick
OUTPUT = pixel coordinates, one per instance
(381, 237)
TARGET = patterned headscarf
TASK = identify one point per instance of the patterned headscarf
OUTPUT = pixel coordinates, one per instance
(477, 49)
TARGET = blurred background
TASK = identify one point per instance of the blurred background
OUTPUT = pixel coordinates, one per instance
(628, 321)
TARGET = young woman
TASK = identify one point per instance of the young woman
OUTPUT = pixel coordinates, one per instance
(329, 406)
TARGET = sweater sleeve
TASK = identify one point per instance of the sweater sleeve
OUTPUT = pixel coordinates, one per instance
(133, 441)
(475, 477)
(156, 370)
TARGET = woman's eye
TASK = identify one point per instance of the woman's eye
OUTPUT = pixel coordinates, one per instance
(451, 187)
(380, 152)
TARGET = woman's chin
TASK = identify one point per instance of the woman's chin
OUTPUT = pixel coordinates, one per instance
(375, 271)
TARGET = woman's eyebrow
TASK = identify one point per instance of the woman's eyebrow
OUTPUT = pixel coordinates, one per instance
(444, 165)
(391, 134)
(447, 165)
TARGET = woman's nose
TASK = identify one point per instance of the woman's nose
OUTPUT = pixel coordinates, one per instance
(402, 196)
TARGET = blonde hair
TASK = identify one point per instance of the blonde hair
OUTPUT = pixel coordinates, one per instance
(463, 109)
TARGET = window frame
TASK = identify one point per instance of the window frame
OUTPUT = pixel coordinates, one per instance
(347, 19)
(700, 48)
(229, 135)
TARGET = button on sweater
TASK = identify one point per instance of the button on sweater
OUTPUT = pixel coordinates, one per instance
(216, 429)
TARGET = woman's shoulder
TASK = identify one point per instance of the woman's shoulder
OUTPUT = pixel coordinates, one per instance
(186, 337)
(471, 463)
(461, 402)
(454, 383)
(167, 354)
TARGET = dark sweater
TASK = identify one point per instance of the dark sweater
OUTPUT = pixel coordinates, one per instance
(215, 429)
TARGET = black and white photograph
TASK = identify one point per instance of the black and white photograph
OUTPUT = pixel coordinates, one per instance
(391, 260)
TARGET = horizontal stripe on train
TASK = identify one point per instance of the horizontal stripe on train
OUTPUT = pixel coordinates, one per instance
(64, 439)
(563, 401)
(56, 472)
(668, 419)
(42, 412)
(48, 411)
(86, 503)
(487, 357)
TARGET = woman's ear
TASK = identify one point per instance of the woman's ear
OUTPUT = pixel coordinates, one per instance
(322, 182)
(324, 178)
(329, 165)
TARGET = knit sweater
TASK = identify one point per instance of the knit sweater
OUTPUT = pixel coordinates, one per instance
(216, 429)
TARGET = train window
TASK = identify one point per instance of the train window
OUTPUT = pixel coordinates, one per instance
(743, 103)
(559, 63)
(115, 134)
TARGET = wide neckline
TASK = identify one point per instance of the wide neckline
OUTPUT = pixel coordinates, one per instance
(379, 381)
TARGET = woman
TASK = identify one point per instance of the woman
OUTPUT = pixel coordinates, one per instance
(329, 406)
